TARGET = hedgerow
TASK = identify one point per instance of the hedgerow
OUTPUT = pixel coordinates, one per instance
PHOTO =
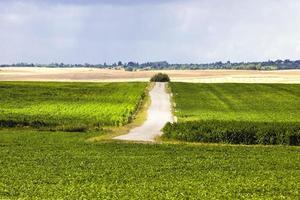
(235, 132)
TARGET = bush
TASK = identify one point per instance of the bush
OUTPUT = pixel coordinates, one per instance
(160, 77)
(235, 132)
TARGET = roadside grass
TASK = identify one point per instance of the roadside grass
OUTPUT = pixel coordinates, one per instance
(236, 113)
(173, 104)
(62, 165)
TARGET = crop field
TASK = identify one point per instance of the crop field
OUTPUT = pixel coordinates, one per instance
(46, 164)
(236, 113)
(240, 102)
(68, 106)
(62, 165)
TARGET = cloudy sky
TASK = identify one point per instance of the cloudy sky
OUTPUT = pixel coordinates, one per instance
(179, 31)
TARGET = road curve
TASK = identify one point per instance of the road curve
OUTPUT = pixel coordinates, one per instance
(159, 114)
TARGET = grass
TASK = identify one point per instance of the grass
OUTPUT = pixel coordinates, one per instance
(69, 106)
(56, 165)
(236, 113)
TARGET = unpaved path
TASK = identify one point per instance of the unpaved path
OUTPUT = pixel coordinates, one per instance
(159, 114)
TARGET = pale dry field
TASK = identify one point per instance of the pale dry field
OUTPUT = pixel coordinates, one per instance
(106, 75)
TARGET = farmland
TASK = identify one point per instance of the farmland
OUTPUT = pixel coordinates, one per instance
(112, 75)
(42, 160)
(242, 102)
(263, 113)
(68, 106)
(56, 165)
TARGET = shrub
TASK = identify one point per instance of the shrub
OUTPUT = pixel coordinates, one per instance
(235, 132)
(160, 77)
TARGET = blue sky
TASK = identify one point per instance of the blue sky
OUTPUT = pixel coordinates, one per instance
(179, 31)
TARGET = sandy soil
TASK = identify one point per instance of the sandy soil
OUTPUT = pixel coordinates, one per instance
(159, 113)
(103, 75)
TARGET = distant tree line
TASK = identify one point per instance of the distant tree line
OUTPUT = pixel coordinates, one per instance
(134, 66)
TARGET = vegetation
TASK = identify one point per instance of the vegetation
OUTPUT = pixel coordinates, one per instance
(236, 113)
(43, 164)
(68, 106)
(235, 132)
(238, 102)
(132, 66)
(60, 165)
(160, 77)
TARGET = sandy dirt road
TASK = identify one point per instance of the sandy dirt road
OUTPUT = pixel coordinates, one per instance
(110, 75)
(159, 114)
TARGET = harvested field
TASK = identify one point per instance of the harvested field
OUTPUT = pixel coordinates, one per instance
(108, 75)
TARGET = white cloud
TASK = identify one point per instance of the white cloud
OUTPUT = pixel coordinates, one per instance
(177, 31)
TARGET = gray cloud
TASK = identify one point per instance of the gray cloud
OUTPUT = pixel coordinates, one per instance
(97, 2)
(177, 31)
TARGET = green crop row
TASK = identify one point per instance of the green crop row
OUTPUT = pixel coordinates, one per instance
(61, 165)
(68, 106)
(235, 132)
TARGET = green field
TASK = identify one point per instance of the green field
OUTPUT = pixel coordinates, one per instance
(236, 113)
(52, 164)
(68, 106)
(56, 165)
(238, 102)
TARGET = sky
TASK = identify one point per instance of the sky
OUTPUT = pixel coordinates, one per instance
(177, 31)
